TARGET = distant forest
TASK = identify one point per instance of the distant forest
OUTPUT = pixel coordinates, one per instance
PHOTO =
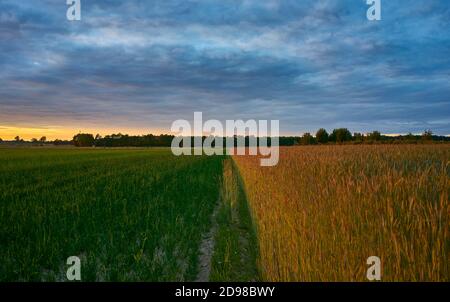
(337, 136)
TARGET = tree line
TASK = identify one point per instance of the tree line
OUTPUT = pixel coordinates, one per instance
(343, 135)
(337, 136)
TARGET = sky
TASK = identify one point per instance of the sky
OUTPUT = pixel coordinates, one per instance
(136, 66)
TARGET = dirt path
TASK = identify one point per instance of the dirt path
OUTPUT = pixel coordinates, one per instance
(228, 251)
(207, 248)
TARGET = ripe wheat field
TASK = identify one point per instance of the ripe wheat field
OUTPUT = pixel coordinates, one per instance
(324, 210)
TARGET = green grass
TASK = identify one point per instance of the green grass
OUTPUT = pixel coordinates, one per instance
(236, 248)
(130, 214)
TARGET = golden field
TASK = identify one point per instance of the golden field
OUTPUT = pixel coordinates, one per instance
(323, 210)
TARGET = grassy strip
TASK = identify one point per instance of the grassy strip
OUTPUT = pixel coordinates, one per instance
(236, 248)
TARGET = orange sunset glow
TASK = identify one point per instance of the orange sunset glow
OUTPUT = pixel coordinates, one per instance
(66, 133)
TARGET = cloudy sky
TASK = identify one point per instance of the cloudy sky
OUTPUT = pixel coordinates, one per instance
(136, 66)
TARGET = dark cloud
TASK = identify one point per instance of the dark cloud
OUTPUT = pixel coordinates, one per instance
(146, 63)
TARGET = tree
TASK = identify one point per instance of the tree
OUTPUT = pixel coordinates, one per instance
(1, 140)
(358, 137)
(374, 136)
(340, 135)
(427, 135)
(34, 140)
(322, 136)
(17, 138)
(83, 140)
(307, 139)
(410, 136)
(43, 139)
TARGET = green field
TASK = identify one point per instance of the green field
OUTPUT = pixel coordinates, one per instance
(147, 215)
(130, 214)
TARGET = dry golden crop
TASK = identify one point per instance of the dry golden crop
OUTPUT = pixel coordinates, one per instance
(324, 210)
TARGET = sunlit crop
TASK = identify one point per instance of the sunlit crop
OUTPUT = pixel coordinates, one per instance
(324, 210)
